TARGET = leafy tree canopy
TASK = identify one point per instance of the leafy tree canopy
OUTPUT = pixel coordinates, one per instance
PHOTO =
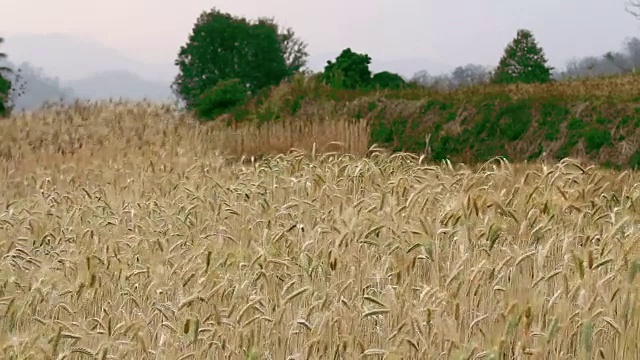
(523, 61)
(223, 47)
(349, 71)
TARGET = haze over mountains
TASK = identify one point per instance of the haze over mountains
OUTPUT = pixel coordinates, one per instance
(72, 57)
(90, 70)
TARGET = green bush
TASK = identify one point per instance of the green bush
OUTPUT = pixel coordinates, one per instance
(517, 120)
(5, 87)
(220, 99)
(552, 115)
(381, 133)
(388, 80)
(596, 139)
(634, 161)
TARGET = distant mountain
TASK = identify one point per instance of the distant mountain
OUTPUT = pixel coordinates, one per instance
(94, 71)
(34, 86)
(120, 84)
(403, 67)
(72, 58)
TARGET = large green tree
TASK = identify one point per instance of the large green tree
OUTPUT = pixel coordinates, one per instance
(222, 47)
(523, 61)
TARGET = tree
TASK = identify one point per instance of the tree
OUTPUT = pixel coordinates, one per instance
(5, 86)
(294, 49)
(610, 63)
(421, 78)
(349, 71)
(523, 61)
(222, 47)
(633, 50)
(469, 75)
(619, 60)
(436, 82)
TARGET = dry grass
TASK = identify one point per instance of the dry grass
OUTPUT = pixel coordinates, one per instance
(594, 88)
(124, 235)
(335, 135)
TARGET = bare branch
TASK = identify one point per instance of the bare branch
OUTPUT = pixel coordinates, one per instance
(633, 8)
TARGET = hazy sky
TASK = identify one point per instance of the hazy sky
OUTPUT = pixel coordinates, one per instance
(454, 32)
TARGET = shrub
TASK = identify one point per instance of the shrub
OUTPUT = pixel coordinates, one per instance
(223, 97)
(634, 161)
(388, 80)
(596, 139)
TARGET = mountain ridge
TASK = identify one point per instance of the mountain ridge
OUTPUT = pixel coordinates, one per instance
(95, 71)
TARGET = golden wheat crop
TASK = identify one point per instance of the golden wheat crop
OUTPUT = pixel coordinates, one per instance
(127, 233)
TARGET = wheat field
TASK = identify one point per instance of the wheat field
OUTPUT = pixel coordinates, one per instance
(128, 231)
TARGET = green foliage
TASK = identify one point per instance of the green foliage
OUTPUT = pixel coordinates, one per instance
(349, 71)
(222, 47)
(552, 115)
(576, 125)
(537, 153)
(575, 131)
(444, 147)
(596, 138)
(221, 98)
(492, 126)
(435, 104)
(293, 48)
(515, 120)
(510, 121)
(467, 125)
(381, 133)
(523, 61)
(388, 80)
(634, 161)
(5, 87)
(372, 106)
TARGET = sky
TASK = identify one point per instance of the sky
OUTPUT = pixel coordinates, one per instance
(452, 32)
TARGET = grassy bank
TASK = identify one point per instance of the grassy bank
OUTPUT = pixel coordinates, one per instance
(596, 120)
